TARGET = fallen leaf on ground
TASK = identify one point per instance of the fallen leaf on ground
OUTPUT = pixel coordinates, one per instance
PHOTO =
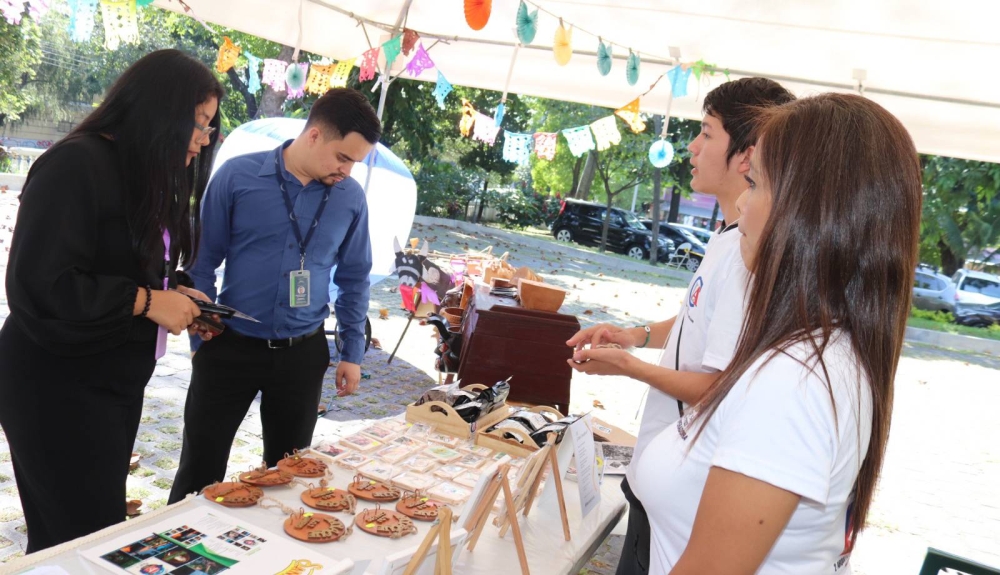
(598, 404)
(376, 343)
(588, 312)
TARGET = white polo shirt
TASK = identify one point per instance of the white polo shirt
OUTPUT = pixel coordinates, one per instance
(777, 425)
(707, 329)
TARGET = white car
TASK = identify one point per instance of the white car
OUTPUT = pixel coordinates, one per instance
(975, 288)
(933, 291)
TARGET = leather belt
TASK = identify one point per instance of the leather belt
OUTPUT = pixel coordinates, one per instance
(283, 343)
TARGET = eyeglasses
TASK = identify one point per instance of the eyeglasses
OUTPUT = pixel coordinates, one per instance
(206, 131)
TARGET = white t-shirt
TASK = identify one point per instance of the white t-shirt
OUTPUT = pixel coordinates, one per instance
(711, 317)
(777, 424)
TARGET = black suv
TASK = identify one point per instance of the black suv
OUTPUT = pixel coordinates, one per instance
(582, 222)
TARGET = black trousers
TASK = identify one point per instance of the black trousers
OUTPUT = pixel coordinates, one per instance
(635, 550)
(228, 372)
(71, 424)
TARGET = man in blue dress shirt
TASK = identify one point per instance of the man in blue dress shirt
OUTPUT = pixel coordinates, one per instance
(281, 220)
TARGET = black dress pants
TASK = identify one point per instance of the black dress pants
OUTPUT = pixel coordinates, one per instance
(228, 373)
(635, 550)
(71, 424)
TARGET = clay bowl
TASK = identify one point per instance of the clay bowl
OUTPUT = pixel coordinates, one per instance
(540, 296)
(453, 315)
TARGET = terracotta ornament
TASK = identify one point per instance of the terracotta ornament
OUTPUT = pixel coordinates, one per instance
(371, 490)
(384, 523)
(416, 505)
(264, 477)
(316, 527)
(300, 466)
(233, 494)
(329, 499)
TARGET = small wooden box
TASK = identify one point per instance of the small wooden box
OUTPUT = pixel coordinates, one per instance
(496, 441)
(445, 419)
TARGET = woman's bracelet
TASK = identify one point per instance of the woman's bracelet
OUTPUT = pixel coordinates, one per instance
(149, 300)
(649, 334)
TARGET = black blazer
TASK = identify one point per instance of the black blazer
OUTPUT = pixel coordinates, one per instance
(72, 275)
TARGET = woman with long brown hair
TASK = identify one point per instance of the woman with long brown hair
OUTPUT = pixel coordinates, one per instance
(773, 471)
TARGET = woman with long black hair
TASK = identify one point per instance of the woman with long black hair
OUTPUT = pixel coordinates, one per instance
(106, 216)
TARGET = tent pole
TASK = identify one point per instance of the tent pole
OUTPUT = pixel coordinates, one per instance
(384, 80)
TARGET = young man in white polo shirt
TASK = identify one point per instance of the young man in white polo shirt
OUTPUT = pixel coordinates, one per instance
(699, 342)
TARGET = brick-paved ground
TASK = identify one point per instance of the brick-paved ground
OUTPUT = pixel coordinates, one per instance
(941, 476)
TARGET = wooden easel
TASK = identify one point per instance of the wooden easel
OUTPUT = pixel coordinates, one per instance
(530, 480)
(441, 530)
(477, 520)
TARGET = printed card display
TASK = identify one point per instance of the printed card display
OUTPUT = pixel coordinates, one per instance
(450, 471)
(351, 460)
(449, 493)
(203, 542)
(398, 426)
(467, 479)
(413, 481)
(444, 439)
(441, 453)
(379, 433)
(419, 430)
(476, 450)
(361, 442)
(330, 449)
(420, 463)
(411, 443)
(471, 461)
(377, 470)
(393, 453)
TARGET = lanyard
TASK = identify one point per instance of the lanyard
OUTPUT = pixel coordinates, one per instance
(291, 213)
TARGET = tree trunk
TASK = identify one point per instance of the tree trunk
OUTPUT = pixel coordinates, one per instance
(675, 204)
(271, 102)
(571, 193)
(587, 178)
(950, 262)
(607, 216)
(482, 202)
(241, 87)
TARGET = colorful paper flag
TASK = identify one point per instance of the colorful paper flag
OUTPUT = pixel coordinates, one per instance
(81, 19)
(274, 74)
(253, 72)
(392, 48)
(369, 62)
(338, 79)
(630, 113)
(545, 145)
(606, 133)
(409, 40)
(319, 79)
(579, 139)
(679, 81)
(120, 23)
(12, 10)
(486, 129)
(421, 61)
(468, 118)
(295, 79)
(516, 147)
(406, 294)
(442, 89)
(228, 53)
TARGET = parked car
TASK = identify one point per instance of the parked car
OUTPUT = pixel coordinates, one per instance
(978, 316)
(700, 233)
(582, 222)
(933, 291)
(973, 288)
(680, 236)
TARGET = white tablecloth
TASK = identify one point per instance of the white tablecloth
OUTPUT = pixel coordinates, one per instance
(547, 551)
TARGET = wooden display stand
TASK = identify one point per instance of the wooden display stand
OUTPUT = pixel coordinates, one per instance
(475, 523)
(445, 419)
(500, 339)
(526, 447)
(529, 482)
(441, 530)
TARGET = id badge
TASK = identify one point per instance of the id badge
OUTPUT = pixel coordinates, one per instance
(299, 288)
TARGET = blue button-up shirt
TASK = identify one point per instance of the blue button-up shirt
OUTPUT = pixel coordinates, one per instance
(245, 222)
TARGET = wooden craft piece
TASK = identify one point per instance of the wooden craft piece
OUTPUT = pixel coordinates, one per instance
(329, 499)
(264, 477)
(316, 527)
(233, 494)
(384, 523)
(302, 466)
(420, 507)
(371, 490)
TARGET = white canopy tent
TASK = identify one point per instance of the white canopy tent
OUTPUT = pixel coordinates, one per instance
(928, 62)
